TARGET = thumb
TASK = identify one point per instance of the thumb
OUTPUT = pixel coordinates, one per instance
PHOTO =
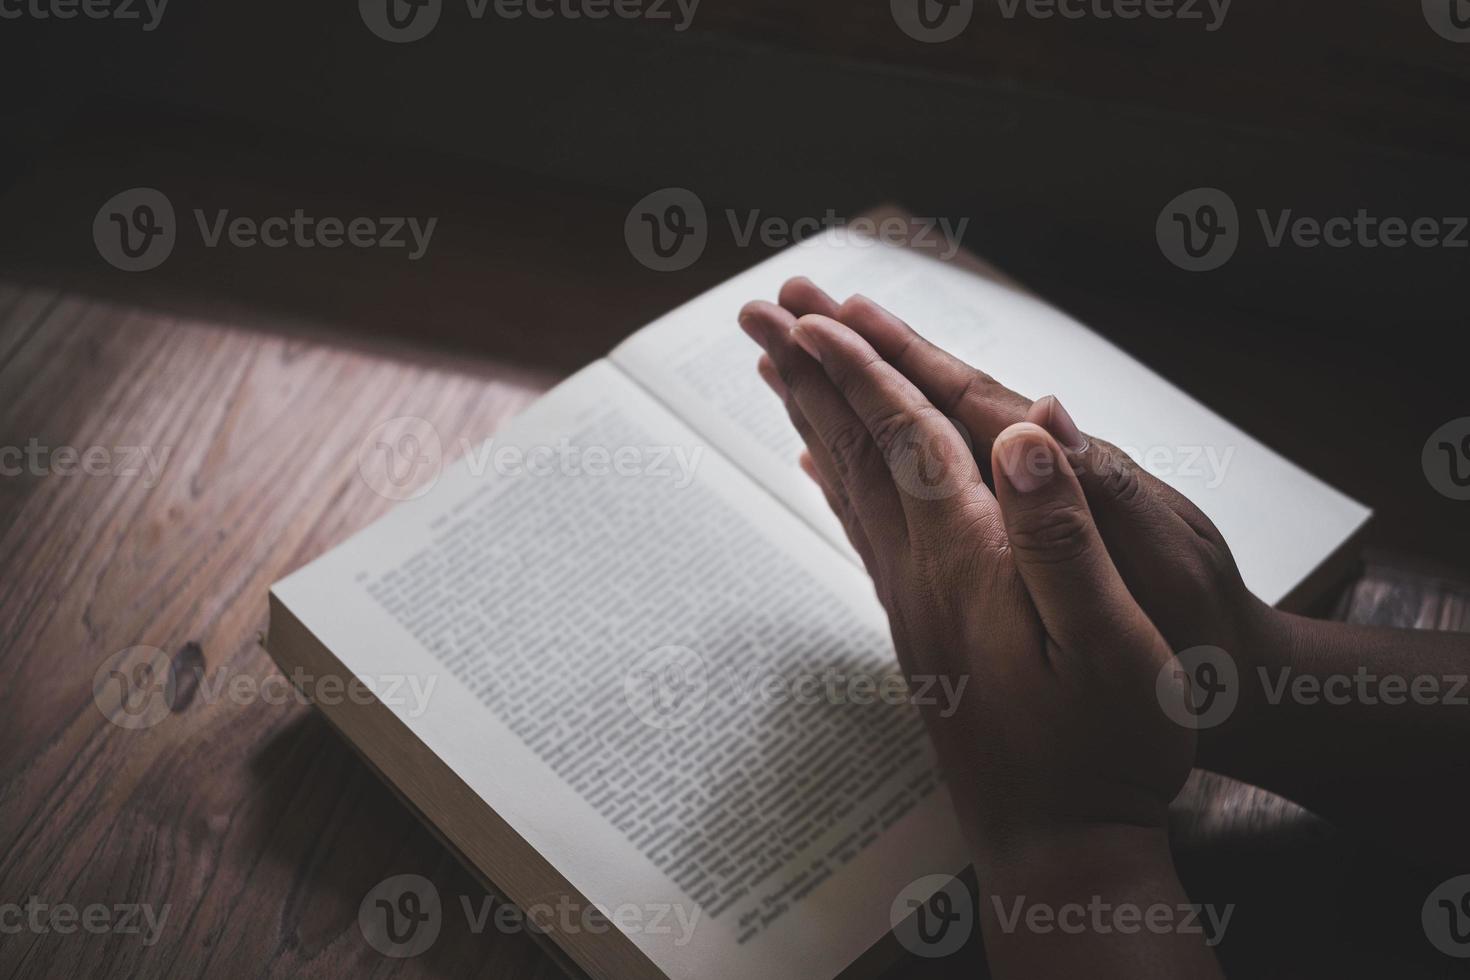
(1056, 546)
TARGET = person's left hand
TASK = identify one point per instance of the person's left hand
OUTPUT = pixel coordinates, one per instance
(1173, 559)
(1060, 731)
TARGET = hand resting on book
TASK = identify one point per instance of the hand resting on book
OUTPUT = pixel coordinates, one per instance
(1062, 575)
(1060, 764)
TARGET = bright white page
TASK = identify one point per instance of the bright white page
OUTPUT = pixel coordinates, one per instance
(616, 664)
(1280, 521)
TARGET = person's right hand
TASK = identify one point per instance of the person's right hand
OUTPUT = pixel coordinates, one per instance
(1012, 588)
(1173, 559)
(1060, 758)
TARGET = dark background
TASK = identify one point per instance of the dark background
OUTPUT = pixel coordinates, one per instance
(1060, 140)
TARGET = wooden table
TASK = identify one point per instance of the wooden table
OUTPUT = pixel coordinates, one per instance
(251, 822)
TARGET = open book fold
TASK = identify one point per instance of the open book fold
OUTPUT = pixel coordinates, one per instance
(622, 658)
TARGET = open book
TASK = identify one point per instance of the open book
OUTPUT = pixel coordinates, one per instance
(654, 679)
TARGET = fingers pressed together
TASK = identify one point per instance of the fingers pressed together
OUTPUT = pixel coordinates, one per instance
(873, 402)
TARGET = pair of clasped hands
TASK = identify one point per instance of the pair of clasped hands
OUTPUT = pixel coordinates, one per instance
(1062, 579)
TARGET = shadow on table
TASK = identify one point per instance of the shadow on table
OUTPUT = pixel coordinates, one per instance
(345, 832)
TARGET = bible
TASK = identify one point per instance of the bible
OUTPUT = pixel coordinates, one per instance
(623, 660)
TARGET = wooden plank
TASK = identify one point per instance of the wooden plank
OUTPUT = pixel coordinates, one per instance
(251, 821)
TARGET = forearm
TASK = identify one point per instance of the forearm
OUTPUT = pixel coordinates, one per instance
(1369, 727)
(1097, 903)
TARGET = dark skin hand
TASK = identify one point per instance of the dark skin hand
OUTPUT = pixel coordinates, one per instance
(1065, 600)
(1396, 771)
(1060, 762)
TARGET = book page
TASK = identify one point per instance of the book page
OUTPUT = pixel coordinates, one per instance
(1280, 521)
(663, 680)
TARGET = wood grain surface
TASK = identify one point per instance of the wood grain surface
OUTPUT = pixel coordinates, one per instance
(250, 825)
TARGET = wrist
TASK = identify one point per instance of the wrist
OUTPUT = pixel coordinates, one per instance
(1262, 644)
(1099, 900)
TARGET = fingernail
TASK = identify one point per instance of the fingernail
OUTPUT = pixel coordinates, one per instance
(1059, 423)
(802, 335)
(1027, 461)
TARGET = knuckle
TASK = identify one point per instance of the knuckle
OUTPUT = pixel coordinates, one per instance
(1052, 533)
(1120, 477)
(973, 388)
(853, 306)
(958, 554)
